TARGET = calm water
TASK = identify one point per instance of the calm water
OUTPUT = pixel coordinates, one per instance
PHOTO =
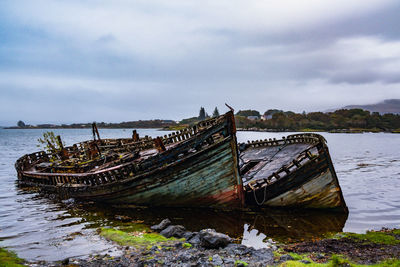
(37, 228)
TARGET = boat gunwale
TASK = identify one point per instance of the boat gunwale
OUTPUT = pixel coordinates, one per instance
(43, 154)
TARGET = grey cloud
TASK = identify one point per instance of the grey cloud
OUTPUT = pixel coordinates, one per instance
(206, 64)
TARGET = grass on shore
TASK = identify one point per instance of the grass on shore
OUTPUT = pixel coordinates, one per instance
(334, 261)
(9, 259)
(377, 237)
(382, 237)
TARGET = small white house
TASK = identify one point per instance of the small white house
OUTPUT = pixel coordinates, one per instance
(266, 117)
(253, 118)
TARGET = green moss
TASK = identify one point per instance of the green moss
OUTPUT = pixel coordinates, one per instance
(375, 237)
(135, 239)
(296, 256)
(186, 245)
(337, 260)
(135, 227)
(241, 262)
(9, 259)
(391, 262)
(300, 264)
(396, 231)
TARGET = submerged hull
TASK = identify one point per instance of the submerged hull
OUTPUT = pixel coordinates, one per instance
(309, 184)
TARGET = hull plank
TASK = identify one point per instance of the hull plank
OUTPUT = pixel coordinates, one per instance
(320, 192)
(188, 184)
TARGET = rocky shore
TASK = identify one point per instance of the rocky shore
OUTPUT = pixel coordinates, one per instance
(172, 245)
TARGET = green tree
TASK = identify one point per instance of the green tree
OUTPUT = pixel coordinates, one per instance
(216, 112)
(248, 112)
(21, 124)
(272, 112)
(202, 114)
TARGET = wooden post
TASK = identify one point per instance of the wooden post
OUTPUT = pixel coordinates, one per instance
(135, 136)
(159, 144)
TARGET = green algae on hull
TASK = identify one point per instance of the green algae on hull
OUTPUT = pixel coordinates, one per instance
(9, 259)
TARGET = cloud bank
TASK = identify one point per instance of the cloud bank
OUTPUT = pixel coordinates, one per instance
(69, 61)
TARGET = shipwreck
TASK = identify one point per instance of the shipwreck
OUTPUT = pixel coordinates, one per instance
(199, 166)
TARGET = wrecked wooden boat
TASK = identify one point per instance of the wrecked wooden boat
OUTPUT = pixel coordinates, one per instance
(200, 166)
(296, 171)
(195, 167)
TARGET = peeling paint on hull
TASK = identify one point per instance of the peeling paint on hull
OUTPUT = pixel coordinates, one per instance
(311, 183)
(207, 180)
(320, 192)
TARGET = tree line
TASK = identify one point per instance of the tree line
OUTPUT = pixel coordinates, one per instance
(339, 119)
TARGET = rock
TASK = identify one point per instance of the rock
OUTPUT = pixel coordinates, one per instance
(209, 238)
(195, 239)
(185, 256)
(65, 261)
(203, 262)
(319, 256)
(217, 260)
(187, 235)
(173, 231)
(229, 261)
(161, 226)
(263, 255)
(178, 244)
(238, 249)
(68, 201)
(305, 261)
(122, 218)
(286, 257)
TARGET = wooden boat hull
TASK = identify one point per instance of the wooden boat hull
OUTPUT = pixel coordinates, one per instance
(200, 170)
(199, 167)
(312, 185)
(207, 179)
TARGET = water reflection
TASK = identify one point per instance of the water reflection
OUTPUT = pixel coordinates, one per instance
(253, 238)
(41, 229)
(279, 224)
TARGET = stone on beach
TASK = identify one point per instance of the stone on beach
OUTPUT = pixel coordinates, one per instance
(209, 238)
(173, 231)
(161, 226)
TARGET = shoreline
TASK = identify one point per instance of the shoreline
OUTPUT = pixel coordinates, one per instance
(342, 131)
(166, 244)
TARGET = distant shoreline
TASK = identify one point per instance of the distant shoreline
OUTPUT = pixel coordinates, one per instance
(347, 131)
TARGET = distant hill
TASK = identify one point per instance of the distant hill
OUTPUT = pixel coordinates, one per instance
(387, 106)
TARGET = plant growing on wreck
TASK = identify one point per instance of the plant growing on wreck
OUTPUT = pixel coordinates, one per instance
(51, 142)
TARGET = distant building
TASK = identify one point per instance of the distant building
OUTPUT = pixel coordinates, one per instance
(266, 117)
(253, 118)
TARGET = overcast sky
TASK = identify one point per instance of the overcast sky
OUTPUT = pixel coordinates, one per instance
(90, 60)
